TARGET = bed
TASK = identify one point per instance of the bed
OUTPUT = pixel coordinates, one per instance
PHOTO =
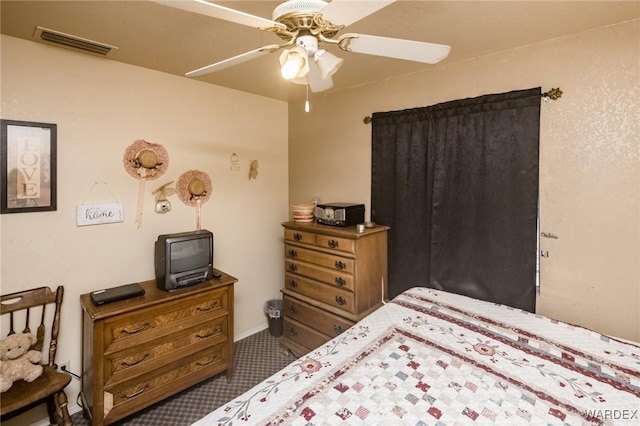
(432, 357)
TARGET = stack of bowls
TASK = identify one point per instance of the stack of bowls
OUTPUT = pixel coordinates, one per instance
(303, 212)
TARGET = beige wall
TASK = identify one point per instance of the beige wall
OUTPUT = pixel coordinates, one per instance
(101, 107)
(589, 160)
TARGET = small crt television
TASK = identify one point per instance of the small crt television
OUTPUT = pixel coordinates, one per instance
(183, 259)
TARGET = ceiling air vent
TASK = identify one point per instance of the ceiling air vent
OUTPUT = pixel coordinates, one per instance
(72, 41)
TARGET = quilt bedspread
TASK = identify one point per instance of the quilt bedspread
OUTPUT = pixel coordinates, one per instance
(434, 358)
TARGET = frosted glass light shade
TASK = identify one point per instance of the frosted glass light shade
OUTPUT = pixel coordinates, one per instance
(328, 62)
(294, 63)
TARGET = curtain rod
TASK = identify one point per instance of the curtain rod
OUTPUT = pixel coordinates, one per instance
(553, 94)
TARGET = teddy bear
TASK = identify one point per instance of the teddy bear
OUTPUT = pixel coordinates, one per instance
(17, 361)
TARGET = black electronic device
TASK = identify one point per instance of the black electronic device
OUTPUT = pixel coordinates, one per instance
(183, 259)
(115, 294)
(339, 214)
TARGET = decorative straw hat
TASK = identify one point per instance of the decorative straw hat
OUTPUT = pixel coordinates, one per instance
(144, 160)
(192, 186)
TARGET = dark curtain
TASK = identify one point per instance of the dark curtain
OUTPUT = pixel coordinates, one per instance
(457, 183)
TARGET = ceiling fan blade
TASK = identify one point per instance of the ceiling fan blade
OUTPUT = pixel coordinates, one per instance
(346, 12)
(247, 56)
(409, 50)
(216, 11)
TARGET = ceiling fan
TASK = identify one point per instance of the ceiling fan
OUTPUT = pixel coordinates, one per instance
(303, 25)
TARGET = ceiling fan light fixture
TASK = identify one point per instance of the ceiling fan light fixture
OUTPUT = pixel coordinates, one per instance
(294, 63)
(327, 62)
(304, 80)
(303, 25)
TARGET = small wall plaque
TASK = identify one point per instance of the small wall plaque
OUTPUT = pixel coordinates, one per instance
(98, 214)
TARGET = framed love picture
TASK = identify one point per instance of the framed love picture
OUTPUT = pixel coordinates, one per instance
(27, 166)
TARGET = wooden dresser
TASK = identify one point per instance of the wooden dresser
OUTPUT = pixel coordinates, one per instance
(141, 350)
(334, 277)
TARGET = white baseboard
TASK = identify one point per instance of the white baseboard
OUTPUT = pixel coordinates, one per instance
(75, 408)
(250, 332)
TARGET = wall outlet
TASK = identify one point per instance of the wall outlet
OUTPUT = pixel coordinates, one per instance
(66, 367)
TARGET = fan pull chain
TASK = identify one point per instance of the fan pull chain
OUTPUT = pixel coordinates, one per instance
(306, 103)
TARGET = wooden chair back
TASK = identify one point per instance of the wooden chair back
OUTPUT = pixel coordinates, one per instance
(32, 305)
(36, 311)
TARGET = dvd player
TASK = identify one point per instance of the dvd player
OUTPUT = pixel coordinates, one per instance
(191, 279)
(115, 294)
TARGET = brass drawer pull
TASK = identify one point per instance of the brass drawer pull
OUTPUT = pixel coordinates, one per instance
(292, 331)
(292, 267)
(297, 237)
(340, 301)
(293, 309)
(136, 392)
(208, 307)
(213, 358)
(208, 333)
(138, 329)
(340, 265)
(340, 282)
(134, 361)
(338, 329)
(293, 283)
(293, 253)
(333, 244)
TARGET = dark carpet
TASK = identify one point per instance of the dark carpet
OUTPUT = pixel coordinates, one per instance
(256, 358)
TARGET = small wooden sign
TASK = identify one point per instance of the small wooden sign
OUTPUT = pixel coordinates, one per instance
(98, 214)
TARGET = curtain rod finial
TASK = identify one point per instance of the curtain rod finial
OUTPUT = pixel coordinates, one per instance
(553, 94)
(367, 119)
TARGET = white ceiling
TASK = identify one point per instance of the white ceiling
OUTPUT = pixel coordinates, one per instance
(163, 38)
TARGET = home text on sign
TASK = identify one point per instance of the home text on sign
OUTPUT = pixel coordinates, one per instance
(98, 214)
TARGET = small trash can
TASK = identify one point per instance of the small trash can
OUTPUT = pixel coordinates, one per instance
(273, 309)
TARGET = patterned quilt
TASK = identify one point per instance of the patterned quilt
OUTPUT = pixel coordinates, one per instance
(434, 358)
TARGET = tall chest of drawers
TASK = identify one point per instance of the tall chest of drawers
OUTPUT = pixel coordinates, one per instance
(142, 350)
(334, 277)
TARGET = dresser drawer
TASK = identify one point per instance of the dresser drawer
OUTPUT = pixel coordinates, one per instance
(336, 243)
(328, 276)
(316, 318)
(127, 397)
(302, 334)
(124, 331)
(330, 261)
(299, 236)
(342, 244)
(339, 298)
(121, 365)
